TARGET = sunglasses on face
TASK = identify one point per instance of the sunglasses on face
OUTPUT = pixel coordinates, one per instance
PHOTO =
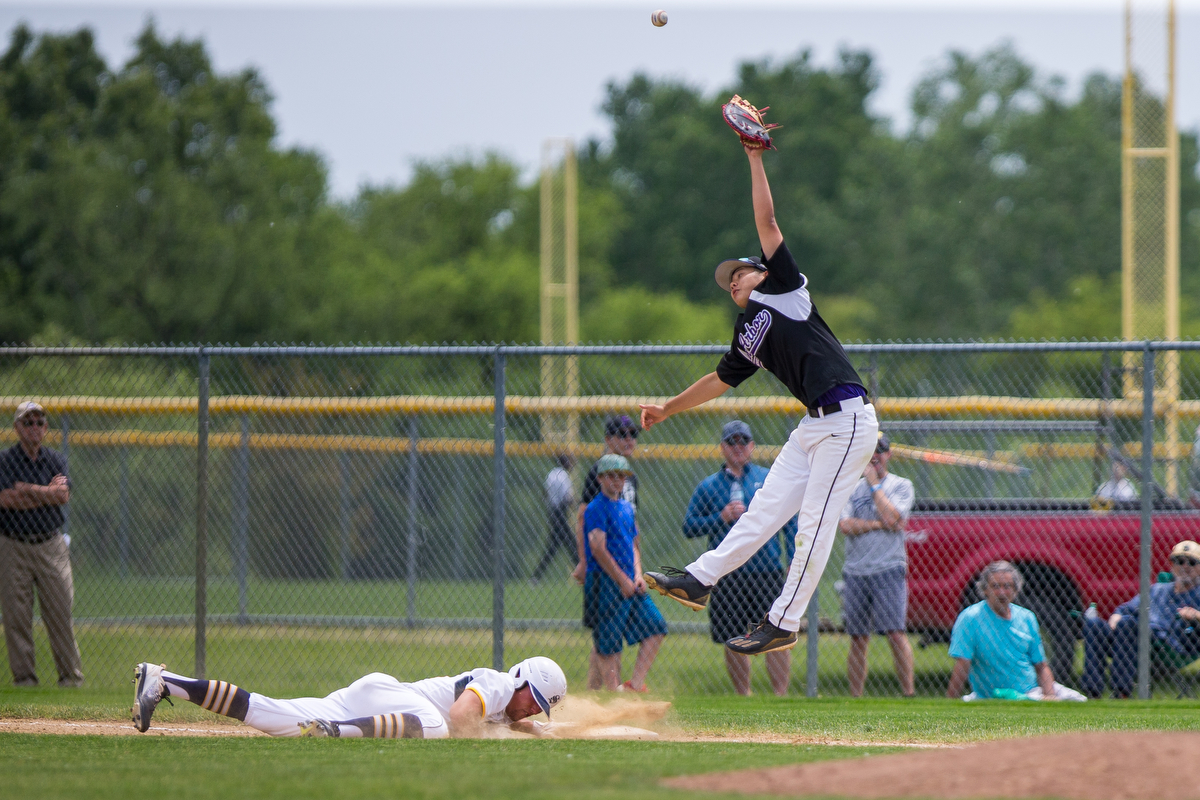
(34, 423)
(738, 440)
(1185, 562)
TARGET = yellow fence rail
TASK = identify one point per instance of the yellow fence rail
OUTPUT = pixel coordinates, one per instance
(887, 407)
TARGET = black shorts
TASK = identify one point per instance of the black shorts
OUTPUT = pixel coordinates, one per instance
(742, 599)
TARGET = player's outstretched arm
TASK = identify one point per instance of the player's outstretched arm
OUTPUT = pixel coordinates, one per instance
(707, 388)
(769, 235)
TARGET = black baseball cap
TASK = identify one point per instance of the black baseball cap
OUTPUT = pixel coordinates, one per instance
(621, 424)
(725, 269)
(884, 444)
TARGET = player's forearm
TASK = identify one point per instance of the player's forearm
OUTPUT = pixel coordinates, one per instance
(958, 678)
(707, 388)
(888, 514)
(764, 206)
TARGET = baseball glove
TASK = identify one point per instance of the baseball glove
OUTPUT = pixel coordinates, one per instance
(748, 122)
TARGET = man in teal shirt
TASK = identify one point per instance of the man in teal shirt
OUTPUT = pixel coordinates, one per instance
(998, 645)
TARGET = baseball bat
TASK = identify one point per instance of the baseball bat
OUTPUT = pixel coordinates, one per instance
(952, 459)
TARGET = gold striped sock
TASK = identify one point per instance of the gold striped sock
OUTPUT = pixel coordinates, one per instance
(219, 697)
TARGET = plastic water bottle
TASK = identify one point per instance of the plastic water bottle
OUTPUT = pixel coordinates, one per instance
(1092, 612)
(736, 493)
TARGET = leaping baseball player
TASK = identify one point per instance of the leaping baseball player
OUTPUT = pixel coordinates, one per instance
(817, 469)
(375, 706)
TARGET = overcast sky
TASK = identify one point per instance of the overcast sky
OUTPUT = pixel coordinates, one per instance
(376, 86)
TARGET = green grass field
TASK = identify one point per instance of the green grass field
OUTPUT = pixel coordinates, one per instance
(96, 766)
(302, 661)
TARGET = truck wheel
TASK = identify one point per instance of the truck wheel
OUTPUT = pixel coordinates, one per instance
(1051, 596)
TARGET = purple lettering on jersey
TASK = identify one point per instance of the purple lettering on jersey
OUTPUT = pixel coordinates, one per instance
(752, 337)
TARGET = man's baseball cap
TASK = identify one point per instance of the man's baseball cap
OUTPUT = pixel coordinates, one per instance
(611, 462)
(725, 269)
(545, 679)
(28, 407)
(736, 428)
(1186, 549)
(620, 424)
(884, 444)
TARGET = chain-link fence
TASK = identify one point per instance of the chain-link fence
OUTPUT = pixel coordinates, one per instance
(291, 518)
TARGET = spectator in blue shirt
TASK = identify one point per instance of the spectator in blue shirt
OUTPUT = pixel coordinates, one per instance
(743, 597)
(615, 598)
(1174, 620)
(999, 647)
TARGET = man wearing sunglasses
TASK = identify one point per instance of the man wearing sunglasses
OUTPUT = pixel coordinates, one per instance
(34, 489)
(743, 597)
(1174, 628)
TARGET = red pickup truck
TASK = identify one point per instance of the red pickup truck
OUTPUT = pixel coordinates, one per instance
(1069, 554)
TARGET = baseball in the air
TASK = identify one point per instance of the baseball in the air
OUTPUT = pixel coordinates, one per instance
(659, 18)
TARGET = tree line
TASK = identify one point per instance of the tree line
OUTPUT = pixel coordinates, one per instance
(152, 203)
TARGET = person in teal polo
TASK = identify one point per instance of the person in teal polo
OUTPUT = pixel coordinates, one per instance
(998, 646)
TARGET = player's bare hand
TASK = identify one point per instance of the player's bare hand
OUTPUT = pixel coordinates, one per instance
(579, 573)
(628, 588)
(871, 474)
(1190, 614)
(733, 511)
(1113, 620)
(639, 585)
(652, 414)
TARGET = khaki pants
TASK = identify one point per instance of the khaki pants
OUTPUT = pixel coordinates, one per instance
(46, 566)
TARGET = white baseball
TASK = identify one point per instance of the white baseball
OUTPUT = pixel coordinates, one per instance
(659, 18)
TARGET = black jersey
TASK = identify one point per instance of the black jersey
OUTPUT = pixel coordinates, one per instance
(781, 331)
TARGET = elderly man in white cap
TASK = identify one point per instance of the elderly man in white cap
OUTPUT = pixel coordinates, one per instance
(34, 489)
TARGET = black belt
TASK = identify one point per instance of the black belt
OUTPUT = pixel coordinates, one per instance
(818, 411)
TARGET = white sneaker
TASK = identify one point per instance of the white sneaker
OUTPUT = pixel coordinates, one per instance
(149, 690)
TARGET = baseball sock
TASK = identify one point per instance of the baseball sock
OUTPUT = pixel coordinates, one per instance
(381, 726)
(219, 697)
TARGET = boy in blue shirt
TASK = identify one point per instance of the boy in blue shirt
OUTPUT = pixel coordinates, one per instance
(614, 590)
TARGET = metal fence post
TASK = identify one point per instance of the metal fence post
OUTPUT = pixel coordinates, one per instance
(66, 454)
(498, 513)
(1143, 670)
(813, 646)
(201, 514)
(241, 519)
(346, 510)
(414, 500)
(123, 514)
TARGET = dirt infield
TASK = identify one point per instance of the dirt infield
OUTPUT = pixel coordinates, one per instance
(1149, 765)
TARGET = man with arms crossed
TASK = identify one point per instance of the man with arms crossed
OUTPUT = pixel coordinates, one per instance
(823, 458)
(876, 594)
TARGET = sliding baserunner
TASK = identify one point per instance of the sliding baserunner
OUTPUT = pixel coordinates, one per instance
(824, 457)
(374, 706)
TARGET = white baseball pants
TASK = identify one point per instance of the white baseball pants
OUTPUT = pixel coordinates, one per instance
(372, 694)
(814, 475)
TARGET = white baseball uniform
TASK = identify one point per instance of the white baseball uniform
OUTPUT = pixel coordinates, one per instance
(378, 694)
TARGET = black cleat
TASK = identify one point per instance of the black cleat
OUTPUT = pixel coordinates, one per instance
(764, 638)
(679, 585)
